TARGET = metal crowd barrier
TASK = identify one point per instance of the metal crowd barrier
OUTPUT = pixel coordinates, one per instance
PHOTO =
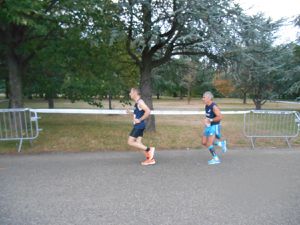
(22, 124)
(271, 124)
(18, 125)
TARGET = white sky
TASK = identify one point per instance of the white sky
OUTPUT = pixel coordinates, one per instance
(276, 9)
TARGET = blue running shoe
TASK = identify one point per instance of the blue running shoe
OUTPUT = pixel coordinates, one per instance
(214, 161)
(224, 146)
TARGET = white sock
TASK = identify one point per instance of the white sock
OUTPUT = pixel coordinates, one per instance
(218, 143)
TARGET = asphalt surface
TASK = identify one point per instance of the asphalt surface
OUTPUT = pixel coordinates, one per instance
(248, 187)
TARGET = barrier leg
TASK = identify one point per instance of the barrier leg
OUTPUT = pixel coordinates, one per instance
(20, 145)
(252, 142)
(288, 142)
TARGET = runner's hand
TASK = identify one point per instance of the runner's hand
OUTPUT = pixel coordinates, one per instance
(206, 122)
(136, 121)
(128, 111)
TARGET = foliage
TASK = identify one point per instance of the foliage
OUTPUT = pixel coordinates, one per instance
(254, 58)
(223, 84)
(288, 73)
(25, 29)
(166, 79)
(293, 65)
(107, 72)
(171, 78)
(159, 30)
(96, 49)
(64, 41)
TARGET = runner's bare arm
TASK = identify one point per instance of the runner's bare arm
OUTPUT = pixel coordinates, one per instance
(143, 106)
(218, 114)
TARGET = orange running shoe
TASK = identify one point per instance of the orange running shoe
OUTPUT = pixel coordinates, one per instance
(146, 154)
(148, 162)
(151, 153)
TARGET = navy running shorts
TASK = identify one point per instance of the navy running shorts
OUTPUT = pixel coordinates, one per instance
(136, 132)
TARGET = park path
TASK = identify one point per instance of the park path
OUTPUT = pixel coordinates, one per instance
(248, 188)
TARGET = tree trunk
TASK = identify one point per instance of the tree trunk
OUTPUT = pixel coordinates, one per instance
(257, 103)
(189, 95)
(7, 88)
(15, 81)
(109, 101)
(181, 94)
(245, 98)
(146, 91)
(50, 102)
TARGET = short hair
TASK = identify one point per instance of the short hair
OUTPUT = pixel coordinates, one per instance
(208, 94)
(137, 90)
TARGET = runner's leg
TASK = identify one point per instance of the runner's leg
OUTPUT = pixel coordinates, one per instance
(134, 142)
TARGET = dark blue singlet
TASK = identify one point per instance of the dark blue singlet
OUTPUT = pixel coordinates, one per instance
(209, 112)
(138, 114)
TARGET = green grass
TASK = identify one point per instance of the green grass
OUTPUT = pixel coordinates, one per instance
(77, 133)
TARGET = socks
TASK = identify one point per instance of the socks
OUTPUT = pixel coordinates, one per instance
(218, 143)
(212, 151)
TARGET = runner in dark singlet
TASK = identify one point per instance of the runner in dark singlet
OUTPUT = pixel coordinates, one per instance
(140, 113)
(212, 129)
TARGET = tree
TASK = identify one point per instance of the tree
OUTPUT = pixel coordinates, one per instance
(98, 67)
(167, 78)
(46, 72)
(27, 27)
(3, 74)
(171, 78)
(254, 68)
(223, 84)
(287, 78)
(189, 78)
(24, 28)
(158, 30)
(294, 65)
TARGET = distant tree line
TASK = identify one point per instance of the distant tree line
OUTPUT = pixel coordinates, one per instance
(94, 50)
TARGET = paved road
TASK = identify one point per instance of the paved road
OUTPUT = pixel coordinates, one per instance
(249, 187)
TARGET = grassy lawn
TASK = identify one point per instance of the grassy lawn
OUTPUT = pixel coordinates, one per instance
(110, 132)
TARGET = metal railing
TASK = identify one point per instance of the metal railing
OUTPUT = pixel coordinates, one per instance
(18, 125)
(271, 124)
(22, 124)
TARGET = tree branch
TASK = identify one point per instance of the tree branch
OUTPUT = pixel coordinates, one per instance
(129, 38)
(146, 23)
(165, 58)
(51, 4)
(211, 56)
(168, 53)
(169, 34)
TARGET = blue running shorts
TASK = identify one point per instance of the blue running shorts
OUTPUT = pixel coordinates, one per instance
(213, 130)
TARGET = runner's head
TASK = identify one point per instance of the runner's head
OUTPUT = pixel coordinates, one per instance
(207, 97)
(135, 93)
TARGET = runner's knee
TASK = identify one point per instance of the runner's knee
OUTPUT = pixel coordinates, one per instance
(130, 141)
